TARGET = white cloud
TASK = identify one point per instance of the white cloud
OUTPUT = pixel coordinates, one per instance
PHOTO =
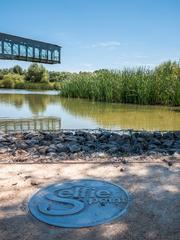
(86, 65)
(108, 44)
(142, 56)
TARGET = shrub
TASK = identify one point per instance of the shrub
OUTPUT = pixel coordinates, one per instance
(37, 73)
(17, 69)
(10, 80)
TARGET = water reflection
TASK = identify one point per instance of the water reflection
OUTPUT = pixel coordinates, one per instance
(76, 113)
(37, 103)
(28, 124)
(125, 116)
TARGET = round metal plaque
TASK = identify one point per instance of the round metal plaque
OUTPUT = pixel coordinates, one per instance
(80, 203)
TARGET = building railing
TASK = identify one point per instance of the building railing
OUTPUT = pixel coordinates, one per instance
(24, 49)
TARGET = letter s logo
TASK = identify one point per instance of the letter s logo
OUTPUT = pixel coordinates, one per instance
(47, 208)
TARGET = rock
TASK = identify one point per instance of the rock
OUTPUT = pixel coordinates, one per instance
(80, 133)
(151, 152)
(170, 163)
(152, 147)
(81, 139)
(126, 137)
(91, 137)
(103, 138)
(168, 135)
(137, 148)
(146, 135)
(155, 141)
(98, 155)
(177, 134)
(115, 137)
(177, 155)
(157, 135)
(125, 148)
(74, 148)
(168, 143)
(177, 142)
(71, 139)
(113, 150)
(22, 145)
(52, 146)
(124, 161)
(34, 183)
(59, 139)
(43, 150)
(32, 142)
(51, 150)
(52, 154)
(101, 155)
(62, 155)
(5, 143)
(61, 148)
(140, 139)
(14, 184)
(28, 135)
(86, 149)
(91, 145)
(3, 150)
(48, 136)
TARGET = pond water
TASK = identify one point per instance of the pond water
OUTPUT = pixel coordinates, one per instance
(78, 113)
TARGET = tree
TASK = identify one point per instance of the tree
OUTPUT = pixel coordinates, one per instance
(37, 73)
(17, 69)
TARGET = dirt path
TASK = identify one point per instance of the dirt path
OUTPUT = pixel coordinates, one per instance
(154, 212)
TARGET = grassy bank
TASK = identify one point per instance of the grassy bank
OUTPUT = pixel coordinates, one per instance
(31, 86)
(140, 86)
(38, 86)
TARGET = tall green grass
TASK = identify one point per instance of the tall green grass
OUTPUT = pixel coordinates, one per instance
(139, 85)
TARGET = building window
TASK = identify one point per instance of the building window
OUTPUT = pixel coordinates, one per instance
(22, 50)
(7, 48)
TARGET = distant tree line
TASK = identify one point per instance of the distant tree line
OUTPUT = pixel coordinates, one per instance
(36, 76)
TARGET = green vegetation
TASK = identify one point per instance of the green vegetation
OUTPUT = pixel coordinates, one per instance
(140, 86)
(160, 85)
(36, 77)
(10, 80)
(37, 74)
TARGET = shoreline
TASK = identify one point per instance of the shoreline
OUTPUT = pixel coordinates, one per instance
(100, 145)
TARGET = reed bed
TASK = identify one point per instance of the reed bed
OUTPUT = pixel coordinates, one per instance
(160, 85)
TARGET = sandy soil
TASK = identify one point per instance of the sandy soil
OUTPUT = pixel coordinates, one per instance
(154, 212)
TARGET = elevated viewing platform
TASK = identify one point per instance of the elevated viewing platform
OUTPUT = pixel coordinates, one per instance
(18, 48)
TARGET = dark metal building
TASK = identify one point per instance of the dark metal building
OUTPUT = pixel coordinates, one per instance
(24, 49)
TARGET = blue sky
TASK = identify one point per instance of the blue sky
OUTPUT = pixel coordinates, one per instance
(97, 34)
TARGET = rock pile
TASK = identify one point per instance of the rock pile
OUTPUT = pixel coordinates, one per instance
(93, 143)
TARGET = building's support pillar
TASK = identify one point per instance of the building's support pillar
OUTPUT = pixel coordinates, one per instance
(3, 47)
(26, 52)
(11, 48)
(19, 50)
(33, 52)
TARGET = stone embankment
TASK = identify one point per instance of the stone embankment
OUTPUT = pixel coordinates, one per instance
(86, 145)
